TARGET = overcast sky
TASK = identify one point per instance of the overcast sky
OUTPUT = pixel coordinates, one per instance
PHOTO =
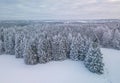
(59, 9)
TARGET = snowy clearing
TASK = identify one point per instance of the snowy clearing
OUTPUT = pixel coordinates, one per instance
(14, 70)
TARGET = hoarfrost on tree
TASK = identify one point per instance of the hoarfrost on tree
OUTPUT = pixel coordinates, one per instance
(58, 48)
(19, 44)
(30, 56)
(93, 61)
(9, 41)
(44, 49)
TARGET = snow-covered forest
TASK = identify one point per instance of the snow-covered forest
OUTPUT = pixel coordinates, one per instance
(42, 42)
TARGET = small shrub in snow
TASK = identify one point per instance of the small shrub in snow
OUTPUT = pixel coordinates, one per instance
(93, 60)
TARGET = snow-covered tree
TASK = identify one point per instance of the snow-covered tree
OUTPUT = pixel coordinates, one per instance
(44, 49)
(9, 41)
(1, 34)
(66, 39)
(99, 31)
(19, 44)
(58, 48)
(74, 55)
(1, 47)
(30, 53)
(83, 48)
(79, 48)
(1, 40)
(116, 39)
(107, 38)
(55, 47)
(93, 61)
(63, 49)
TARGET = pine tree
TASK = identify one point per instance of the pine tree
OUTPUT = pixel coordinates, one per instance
(107, 37)
(1, 47)
(9, 41)
(19, 44)
(116, 39)
(1, 34)
(44, 49)
(79, 48)
(68, 44)
(63, 49)
(55, 48)
(83, 47)
(93, 61)
(59, 48)
(30, 53)
(74, 50)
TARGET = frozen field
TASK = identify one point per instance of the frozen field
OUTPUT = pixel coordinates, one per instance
(14, 70)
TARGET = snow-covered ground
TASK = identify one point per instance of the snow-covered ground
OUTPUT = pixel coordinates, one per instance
(112, 65)
(14, 70)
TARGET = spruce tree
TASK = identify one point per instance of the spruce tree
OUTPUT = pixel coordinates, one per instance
(59, 50)
(74, 55)
(79, 48)
(93, 61)
(9, 41)
(44, 49)
(31, 56)
(19, 44)
(1, 47)
(62, 49)
(116, 39)
(82, 47)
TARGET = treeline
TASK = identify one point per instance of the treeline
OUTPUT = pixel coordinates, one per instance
(41, 43)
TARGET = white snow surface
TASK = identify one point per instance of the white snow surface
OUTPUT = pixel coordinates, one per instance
(14, 70)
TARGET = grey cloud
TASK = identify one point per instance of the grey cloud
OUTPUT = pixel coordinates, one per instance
(59, 9)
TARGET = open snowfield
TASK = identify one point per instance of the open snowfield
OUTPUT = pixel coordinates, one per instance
(14, 70)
